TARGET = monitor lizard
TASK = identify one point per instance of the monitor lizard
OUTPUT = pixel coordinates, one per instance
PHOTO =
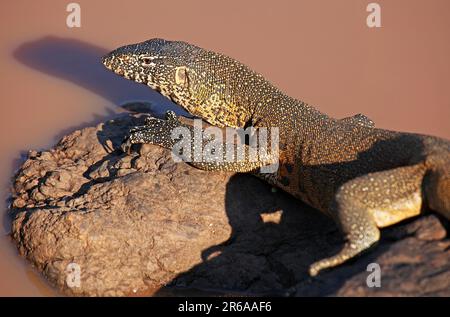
(364, 177)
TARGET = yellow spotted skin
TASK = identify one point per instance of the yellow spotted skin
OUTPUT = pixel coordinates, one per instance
(363, 177)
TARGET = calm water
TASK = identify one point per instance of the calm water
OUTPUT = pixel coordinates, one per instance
(319, 51)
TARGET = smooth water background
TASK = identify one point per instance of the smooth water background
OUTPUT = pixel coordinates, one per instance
(322, 52)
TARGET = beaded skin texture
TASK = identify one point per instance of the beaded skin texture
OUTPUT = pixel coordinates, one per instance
(363, 177)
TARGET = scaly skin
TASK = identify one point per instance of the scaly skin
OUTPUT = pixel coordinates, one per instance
(365, 178)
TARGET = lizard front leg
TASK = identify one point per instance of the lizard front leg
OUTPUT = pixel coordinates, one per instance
(155, 131)
(369, 202)
(159, 132)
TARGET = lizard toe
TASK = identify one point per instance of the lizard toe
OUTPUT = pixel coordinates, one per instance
(126, 146)
(150, 120)
(171, 117)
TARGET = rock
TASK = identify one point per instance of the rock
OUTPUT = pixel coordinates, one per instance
(142, 224)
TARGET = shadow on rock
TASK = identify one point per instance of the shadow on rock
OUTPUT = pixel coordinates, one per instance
(274, 240)
(136, 222)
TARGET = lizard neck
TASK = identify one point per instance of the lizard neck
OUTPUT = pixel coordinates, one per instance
(294, 118)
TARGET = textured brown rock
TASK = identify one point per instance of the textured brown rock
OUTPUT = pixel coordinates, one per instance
(136, 223)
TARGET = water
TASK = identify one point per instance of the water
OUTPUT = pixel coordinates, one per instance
(319, 51)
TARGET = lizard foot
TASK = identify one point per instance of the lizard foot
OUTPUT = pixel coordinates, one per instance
(372, 201)
(154, 131)
(349, 251)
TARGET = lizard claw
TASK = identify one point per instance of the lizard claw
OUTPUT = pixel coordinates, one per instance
(126, 145)
(136, 128)
(150, 120)
(171, 116)
(154, 131)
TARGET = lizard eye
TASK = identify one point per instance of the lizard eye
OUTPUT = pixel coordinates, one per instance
(146, 60)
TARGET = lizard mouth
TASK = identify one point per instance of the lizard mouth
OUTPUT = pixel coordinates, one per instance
(112, 64)
(115, 64)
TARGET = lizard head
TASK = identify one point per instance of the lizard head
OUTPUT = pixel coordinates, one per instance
(157, 63)
(201, 81)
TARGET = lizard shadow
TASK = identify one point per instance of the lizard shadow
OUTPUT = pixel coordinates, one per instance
(79, 62)
(274, 239)
(269, 251)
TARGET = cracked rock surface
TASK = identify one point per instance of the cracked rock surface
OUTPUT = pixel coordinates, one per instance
(143, 224)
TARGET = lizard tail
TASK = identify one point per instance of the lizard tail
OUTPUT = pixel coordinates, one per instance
(437, 190)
